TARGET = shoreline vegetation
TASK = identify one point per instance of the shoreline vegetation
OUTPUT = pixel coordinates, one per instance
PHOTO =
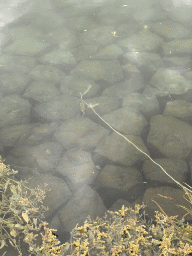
(123, 232)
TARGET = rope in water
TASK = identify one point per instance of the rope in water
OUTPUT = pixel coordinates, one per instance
(83, 103)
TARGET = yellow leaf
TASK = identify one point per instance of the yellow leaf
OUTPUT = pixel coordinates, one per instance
(13, 233)
(19, 188)
(6, 185)
(19, 226)
(25, 216)
(3, 243)
(10, 225)
(35, 221)
(11, 243)
(13, 189)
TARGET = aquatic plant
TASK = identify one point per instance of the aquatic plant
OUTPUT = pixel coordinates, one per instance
(123, 232)
(126, 232)
(21, 216)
